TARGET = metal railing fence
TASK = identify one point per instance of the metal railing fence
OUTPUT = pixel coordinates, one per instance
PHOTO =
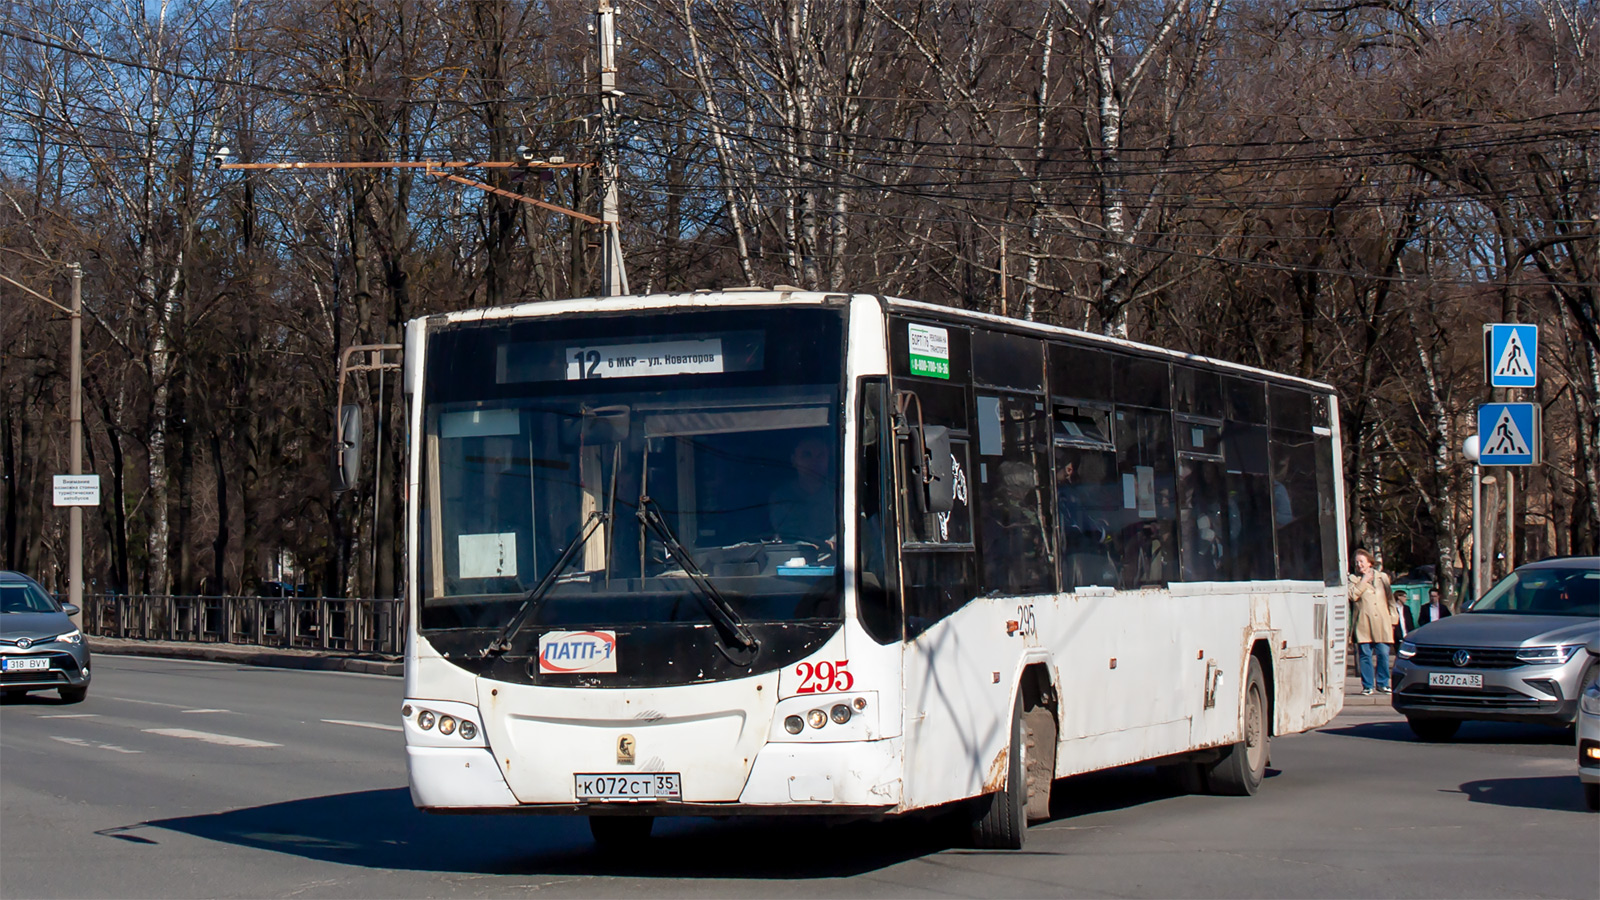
(297, 623)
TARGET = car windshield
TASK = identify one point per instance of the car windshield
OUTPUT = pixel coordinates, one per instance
(22, 597)
(1544, 591)
(727, 421)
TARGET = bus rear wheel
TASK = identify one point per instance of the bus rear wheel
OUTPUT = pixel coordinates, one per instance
(1000, 820)
(615, 833)
(1243, 766)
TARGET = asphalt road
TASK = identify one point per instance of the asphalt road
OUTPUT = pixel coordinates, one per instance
(193, 779)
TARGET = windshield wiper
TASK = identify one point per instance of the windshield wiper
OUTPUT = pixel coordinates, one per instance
(530, 600)
(718, 610)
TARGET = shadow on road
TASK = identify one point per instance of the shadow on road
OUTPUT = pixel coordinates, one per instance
(1543, 792)
(1471, 733)
(381, 829)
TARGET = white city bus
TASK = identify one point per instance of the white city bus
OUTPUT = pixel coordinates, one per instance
(735, 553)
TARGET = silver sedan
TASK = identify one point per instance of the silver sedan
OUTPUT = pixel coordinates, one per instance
(40, 648)
(1516, 654)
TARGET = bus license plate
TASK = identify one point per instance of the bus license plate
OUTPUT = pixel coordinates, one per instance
(1454, 679)
(652, 786)
(23, 664)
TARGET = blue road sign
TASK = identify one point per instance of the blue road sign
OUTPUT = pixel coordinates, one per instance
(1509, 434)
(1511, 355)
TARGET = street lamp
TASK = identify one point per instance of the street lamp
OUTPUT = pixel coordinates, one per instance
(1469, 449)
(75, 514)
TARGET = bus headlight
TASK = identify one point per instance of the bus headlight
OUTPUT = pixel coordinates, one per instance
(816, 718)
(425, 719)
(447, 725)
(840, 714)
(468, 730)
(793, 724)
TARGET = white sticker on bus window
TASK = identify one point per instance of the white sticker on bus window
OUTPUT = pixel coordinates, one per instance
(1130, 492)
(561, 652)
(1146, 489)
(641, 360)
(487, 555)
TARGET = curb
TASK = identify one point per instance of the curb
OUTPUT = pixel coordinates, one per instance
(247, 656)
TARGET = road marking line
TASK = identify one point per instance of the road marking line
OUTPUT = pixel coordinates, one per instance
(353, 724)
(208, 710)
(150, 702)
(226, 740)
(72, 716)
(94, 745)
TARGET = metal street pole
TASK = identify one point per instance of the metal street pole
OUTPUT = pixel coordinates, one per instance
(1469, 449)
(616, 277)
(75, 515)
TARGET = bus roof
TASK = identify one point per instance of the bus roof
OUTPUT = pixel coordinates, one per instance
(764, 297)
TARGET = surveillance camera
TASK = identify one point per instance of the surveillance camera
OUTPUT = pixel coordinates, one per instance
(220, 157)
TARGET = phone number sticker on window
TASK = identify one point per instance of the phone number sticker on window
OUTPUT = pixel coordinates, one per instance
(930, 351)
(643, 360)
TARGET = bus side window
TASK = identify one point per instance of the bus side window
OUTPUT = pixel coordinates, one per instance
(1296, 513)
(1248, 513)
(1017, 534)
(1145, 461)
(1088, 496)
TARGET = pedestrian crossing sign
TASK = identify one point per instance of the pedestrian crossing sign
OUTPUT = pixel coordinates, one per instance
(1509, 434)
(1511, 355)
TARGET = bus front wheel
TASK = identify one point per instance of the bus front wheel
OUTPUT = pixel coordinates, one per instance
(620, 832)
(1242, 767)
(1000, 820)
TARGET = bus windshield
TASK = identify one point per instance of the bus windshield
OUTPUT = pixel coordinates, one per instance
(725, 422)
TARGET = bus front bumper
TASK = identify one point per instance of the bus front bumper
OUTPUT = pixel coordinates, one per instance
(848, 778)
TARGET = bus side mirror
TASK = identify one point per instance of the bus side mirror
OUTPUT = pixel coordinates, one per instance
(938, 481)
(347, 449)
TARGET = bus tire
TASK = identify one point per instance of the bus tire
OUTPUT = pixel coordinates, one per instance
(1000, 820)
(617, 833)
(1243, 766)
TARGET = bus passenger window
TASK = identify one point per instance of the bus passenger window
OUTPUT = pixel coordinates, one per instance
(1018, 548)
(1295, 508)
(1149, 503)
(1089, 509)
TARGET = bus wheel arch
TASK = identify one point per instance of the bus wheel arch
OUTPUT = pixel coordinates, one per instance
(1261, 651)
(1041, 717)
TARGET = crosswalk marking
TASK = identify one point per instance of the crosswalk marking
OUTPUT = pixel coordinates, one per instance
(93, 745)
(208, 710)
(72, 716)
(353, 724)
(226, 740)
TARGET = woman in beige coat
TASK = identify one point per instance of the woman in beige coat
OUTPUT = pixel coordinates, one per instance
(1375, 621)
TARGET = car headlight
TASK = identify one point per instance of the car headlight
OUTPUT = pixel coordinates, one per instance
(72, 637)
(1547, 656)
(1407, 649)
(1589, 700)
